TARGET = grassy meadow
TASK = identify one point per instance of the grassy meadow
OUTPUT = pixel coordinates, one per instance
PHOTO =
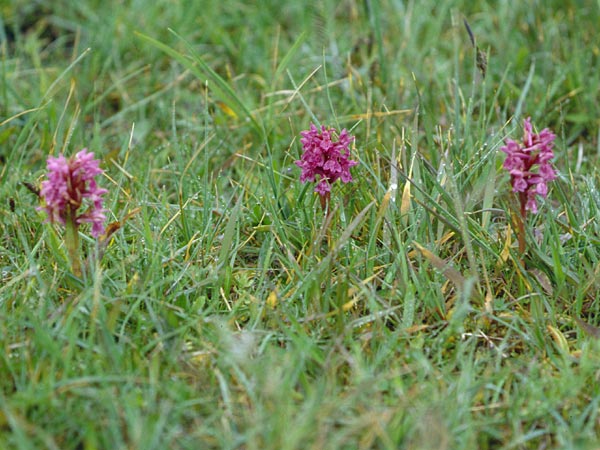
(228, 309)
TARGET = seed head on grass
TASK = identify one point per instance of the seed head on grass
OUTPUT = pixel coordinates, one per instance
(70, 185)
(325, 158)
(529, 165)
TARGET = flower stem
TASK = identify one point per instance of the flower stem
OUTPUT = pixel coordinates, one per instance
(520, 221)
(521, 235)
(72, 243)
(325, 200)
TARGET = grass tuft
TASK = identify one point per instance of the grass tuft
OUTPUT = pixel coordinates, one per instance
(227, 309)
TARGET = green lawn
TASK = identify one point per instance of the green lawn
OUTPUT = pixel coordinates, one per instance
(229, 310)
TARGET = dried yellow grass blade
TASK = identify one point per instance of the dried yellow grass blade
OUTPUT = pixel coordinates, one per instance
(589, 329)
(559, 339)
(405, 202)
(406, 196)
(227, 110)
(449, 272)
(505, 253)
(272, 299)
(384, 205)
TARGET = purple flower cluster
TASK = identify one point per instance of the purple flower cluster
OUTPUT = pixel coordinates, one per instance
(70, 185)
(323, 157)
(529, 165)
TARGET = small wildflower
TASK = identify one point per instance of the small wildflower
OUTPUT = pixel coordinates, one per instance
(529, 165)
(70, 185)
(325, 158)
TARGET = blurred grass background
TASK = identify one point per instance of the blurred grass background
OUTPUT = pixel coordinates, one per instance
(229, 311)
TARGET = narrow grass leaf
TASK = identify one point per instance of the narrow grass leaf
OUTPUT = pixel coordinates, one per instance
(203, 71)
(227, 243)
(289, 57)
(524, 92)
(353, 225)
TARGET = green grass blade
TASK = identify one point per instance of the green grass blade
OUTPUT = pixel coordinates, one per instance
(196, 64)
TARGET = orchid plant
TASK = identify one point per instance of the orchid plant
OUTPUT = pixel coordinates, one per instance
(530, 168)
(72, 197)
